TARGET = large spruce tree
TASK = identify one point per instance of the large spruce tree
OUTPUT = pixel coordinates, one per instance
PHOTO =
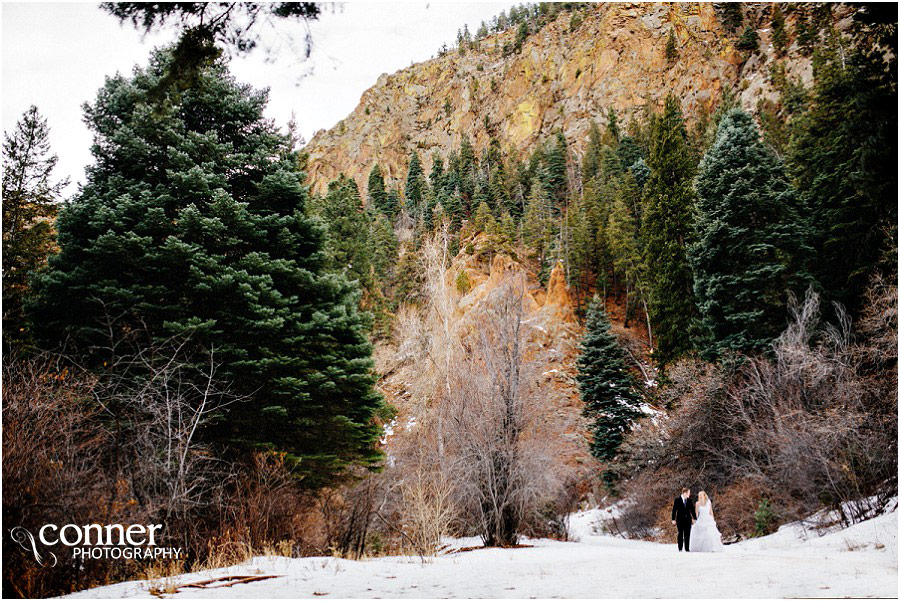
(192, 224)
(607, 387)
(667, 229)
(751, 240)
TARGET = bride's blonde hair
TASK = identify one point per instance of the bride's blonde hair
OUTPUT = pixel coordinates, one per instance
(702, 498)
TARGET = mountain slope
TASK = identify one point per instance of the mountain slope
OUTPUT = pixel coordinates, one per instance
(561, 79)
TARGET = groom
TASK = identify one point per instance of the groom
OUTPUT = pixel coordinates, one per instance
(683, 515)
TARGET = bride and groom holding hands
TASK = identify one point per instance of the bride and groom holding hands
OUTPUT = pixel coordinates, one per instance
(696, 523)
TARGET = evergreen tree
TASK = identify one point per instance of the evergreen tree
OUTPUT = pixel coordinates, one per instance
(779, 32)
(436, 177)
(750, 249)
(438, 214)
(29, 205)
(612, 167)
(730, 14)
(613, 135)
(392, 203)
(410, 277)
(517, 185)
(805, 32)
(591, 164)
(481, 195)
(451, 175)
(629, 152)
(453, 208)
(578, 245)
(497, 190)
(415, 185)
(537, 225)
(384, 247)
(606, 386)
(843, 156)
(377, 194)
(671, 47)
(624, 244)
(492, 161)
(555, 175)
(347, 226)
(749, 40)
(192, 224)
(641, 173)
(596, 201)
(484, 221)
(432, 201)
(508, 230)
(667, 228)
(383, 251)
(468, 165)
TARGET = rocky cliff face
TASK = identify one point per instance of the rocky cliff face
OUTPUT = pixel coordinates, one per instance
(561, 79)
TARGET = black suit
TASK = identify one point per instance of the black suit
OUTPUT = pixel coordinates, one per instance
(683, 513)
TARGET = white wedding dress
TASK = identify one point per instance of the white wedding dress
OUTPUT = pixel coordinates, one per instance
(705, 536)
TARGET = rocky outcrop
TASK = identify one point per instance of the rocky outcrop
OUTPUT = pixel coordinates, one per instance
(559, 303)
(561, 79)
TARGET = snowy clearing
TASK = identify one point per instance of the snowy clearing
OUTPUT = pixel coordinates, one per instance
(860, 561)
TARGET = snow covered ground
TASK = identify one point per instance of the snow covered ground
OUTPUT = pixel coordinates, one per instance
(860, 561)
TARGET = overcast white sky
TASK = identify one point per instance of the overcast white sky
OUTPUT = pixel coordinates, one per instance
(55, 55)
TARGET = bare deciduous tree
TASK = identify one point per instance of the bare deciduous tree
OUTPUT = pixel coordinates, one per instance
(500, 452)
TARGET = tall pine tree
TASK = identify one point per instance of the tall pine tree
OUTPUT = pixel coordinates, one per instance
(624, 243)
(751, 240)
(607, 387)
(667, 228)
(554, 174)
(192, 224)
(591, 163)
(538, 226)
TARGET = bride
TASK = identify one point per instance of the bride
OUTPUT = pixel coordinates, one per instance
(705, 535)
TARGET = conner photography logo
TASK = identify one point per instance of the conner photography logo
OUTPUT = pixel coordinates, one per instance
(93, 541)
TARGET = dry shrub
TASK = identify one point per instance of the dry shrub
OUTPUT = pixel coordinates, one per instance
(263, 500)
(229, 548)
(428, 509)
(646, 495)
(348, 514)
(735, 508)
(51, 444)
(82, 449)
(812, 425)
(878, 324)
(806, 419)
